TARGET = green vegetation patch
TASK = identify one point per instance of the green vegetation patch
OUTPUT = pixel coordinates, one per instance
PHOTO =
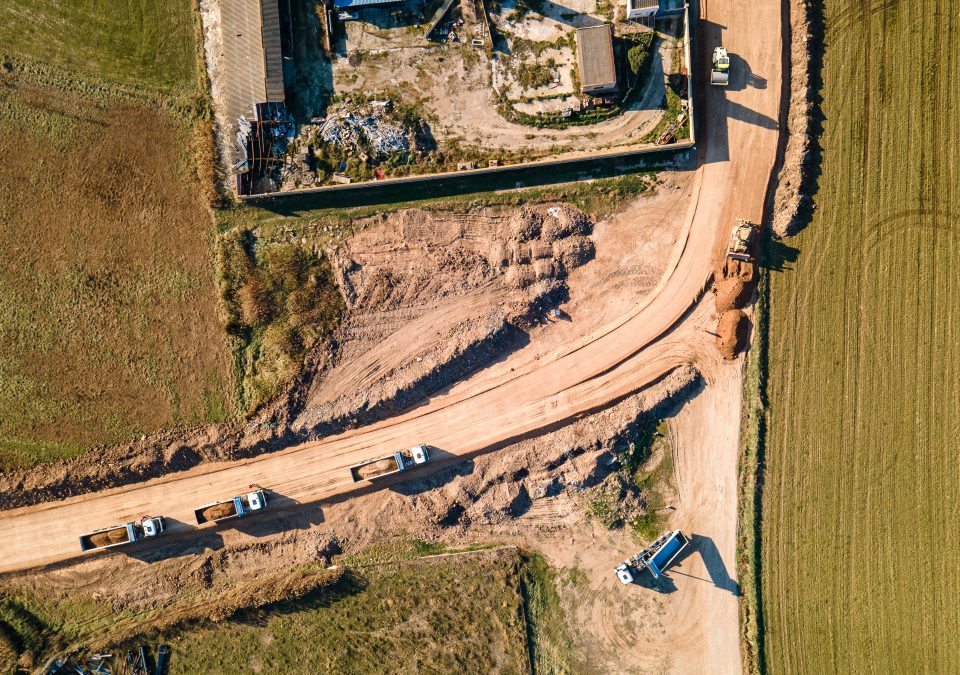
(551, 647)
(146, 43)
(445, 615)
(281, 298)
(108, 307)
(860, 541)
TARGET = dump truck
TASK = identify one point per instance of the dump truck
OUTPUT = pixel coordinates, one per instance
(656, 557)
(236, 507)
(741, 240)
(382, 467)
(720, 67)
(117, 535)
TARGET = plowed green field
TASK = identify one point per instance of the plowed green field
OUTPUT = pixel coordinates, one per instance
(861, 533)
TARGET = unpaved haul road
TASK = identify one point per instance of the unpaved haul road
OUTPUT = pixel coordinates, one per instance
(738, 143)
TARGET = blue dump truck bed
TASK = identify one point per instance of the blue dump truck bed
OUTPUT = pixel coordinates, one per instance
(668, 551)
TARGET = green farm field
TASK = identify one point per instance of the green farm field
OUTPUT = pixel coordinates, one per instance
(860, 544)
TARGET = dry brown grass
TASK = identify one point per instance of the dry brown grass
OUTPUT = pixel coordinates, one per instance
(108, 306)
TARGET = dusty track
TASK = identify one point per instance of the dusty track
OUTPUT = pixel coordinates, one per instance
(738, 147)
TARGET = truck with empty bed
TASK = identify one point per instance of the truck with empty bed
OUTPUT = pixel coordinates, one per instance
(235, 507)
(656, 557)
(117, 535)
(381, 467)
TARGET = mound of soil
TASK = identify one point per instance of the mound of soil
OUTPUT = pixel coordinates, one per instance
(732, 293)
(733, 330)
(377, 468)
(218, 511)
(115, 536)
(744, 270)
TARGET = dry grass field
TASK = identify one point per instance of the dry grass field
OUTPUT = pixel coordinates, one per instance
(109, 316)
(861, 548)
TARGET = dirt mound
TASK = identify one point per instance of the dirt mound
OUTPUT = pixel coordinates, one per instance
(115, 536)
(742, 269)
(792, 202)
(732, 293)
(218, 511)
(733, 331)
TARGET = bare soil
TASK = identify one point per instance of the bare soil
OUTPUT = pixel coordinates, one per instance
(522, 494)
(733, 331)
(218, 511)
(432, 296)
(114, 536)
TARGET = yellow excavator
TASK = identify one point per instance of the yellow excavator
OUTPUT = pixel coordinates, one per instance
(741, 240)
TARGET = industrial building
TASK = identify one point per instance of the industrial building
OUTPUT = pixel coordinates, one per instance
(597, 66)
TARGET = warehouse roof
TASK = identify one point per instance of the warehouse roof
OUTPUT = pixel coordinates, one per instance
(346, 4)
(595, 56)
(252, 62)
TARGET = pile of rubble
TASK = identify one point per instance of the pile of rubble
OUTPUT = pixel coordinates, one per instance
(364, 127)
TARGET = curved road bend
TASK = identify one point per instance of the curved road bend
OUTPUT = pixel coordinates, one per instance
(738, 139)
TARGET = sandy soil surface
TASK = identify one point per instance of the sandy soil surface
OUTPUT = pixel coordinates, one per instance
(460, 98)
(608, 359)
(604, 365)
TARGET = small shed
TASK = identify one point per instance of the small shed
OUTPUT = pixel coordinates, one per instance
(642, 9)
(598, 69)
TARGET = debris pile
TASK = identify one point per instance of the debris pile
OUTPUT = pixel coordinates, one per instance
(364, 128)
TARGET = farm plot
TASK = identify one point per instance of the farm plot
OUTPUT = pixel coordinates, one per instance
(108, 304)
(860, 545)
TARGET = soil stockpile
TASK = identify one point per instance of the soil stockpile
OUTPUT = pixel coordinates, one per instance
(114, 536)
(218, 511)
(732, 293)
(733, 330)
(374, 469)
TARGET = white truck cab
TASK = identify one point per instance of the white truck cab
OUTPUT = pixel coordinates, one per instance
(152, 525)
(256, 500)
(420, 454)
(624, 574)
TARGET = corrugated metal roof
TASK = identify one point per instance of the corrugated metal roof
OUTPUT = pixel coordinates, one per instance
(252, 64)
(595, 56)
(272, 56)
(347, 4)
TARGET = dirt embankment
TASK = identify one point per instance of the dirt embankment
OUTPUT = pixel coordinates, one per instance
(792, 199)
(431, 298)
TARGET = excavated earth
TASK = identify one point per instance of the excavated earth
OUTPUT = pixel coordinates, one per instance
(432, 297)
(523, 494)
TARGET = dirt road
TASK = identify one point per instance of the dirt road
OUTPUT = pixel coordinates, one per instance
(739, 142)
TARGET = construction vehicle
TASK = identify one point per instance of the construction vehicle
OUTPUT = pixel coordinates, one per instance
(741, 240)
(656, 557)
(236, 507)
(116, 535)
(720, 67)
(382, 467)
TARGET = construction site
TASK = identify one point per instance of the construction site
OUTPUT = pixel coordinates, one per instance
(381, 89)
(527, 399)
